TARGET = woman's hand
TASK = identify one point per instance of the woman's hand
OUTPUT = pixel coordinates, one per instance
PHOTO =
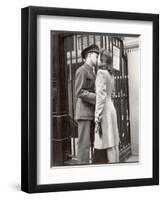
(97, 127)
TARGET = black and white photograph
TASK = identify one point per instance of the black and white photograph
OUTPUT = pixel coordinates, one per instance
(81, 100)
(95, 92)
(89, 99)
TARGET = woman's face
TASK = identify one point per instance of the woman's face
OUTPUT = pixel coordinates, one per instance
(99, 60)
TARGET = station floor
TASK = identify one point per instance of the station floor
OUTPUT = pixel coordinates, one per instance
(130, 159)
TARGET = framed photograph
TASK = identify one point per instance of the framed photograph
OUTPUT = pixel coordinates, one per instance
(90, 99)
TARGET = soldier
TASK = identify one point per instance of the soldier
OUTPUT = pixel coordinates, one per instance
(85, 101)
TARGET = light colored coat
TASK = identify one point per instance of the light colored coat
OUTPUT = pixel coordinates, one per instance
(105, 111)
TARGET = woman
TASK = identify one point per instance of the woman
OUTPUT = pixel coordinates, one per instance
(106, 127)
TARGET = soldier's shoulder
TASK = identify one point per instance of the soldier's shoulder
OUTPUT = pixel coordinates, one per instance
(81, 69)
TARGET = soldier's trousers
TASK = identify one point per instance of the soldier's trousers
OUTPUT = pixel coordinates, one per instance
(84, 141)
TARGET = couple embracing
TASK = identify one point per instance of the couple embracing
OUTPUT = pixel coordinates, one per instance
(94, 103)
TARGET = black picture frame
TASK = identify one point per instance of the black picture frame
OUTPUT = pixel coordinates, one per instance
(29, 98)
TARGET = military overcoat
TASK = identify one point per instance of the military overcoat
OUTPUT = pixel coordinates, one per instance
(85, 93)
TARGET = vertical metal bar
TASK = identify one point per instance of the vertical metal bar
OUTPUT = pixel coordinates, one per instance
(120, 45)
(76, 65)
(121, 93)
(90, 39)
(85, 44)
(98, 40)
(124, 99)
(109, 43)
(118, 92)
(82, 44)
(105, 42)
(126, 107)
(101, 42)
(72, 92)
(112, 42)
(123, 68)
(126, 66)
(94, 40)
(87, 40)
(121, 90)
(116, 42)
(78, 46)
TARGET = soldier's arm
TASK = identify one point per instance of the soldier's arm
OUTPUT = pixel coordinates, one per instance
(80, 88)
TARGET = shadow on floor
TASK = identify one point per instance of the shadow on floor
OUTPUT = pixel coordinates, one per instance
(130, 159)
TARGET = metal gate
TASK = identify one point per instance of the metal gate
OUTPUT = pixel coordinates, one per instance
(66, 55)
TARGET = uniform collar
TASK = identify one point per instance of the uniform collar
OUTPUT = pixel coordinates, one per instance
(89, 68)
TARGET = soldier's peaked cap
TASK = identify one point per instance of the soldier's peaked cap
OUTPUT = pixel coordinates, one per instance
(91, 48)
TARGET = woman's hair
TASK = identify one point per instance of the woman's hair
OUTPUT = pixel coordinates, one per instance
(106, 57)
